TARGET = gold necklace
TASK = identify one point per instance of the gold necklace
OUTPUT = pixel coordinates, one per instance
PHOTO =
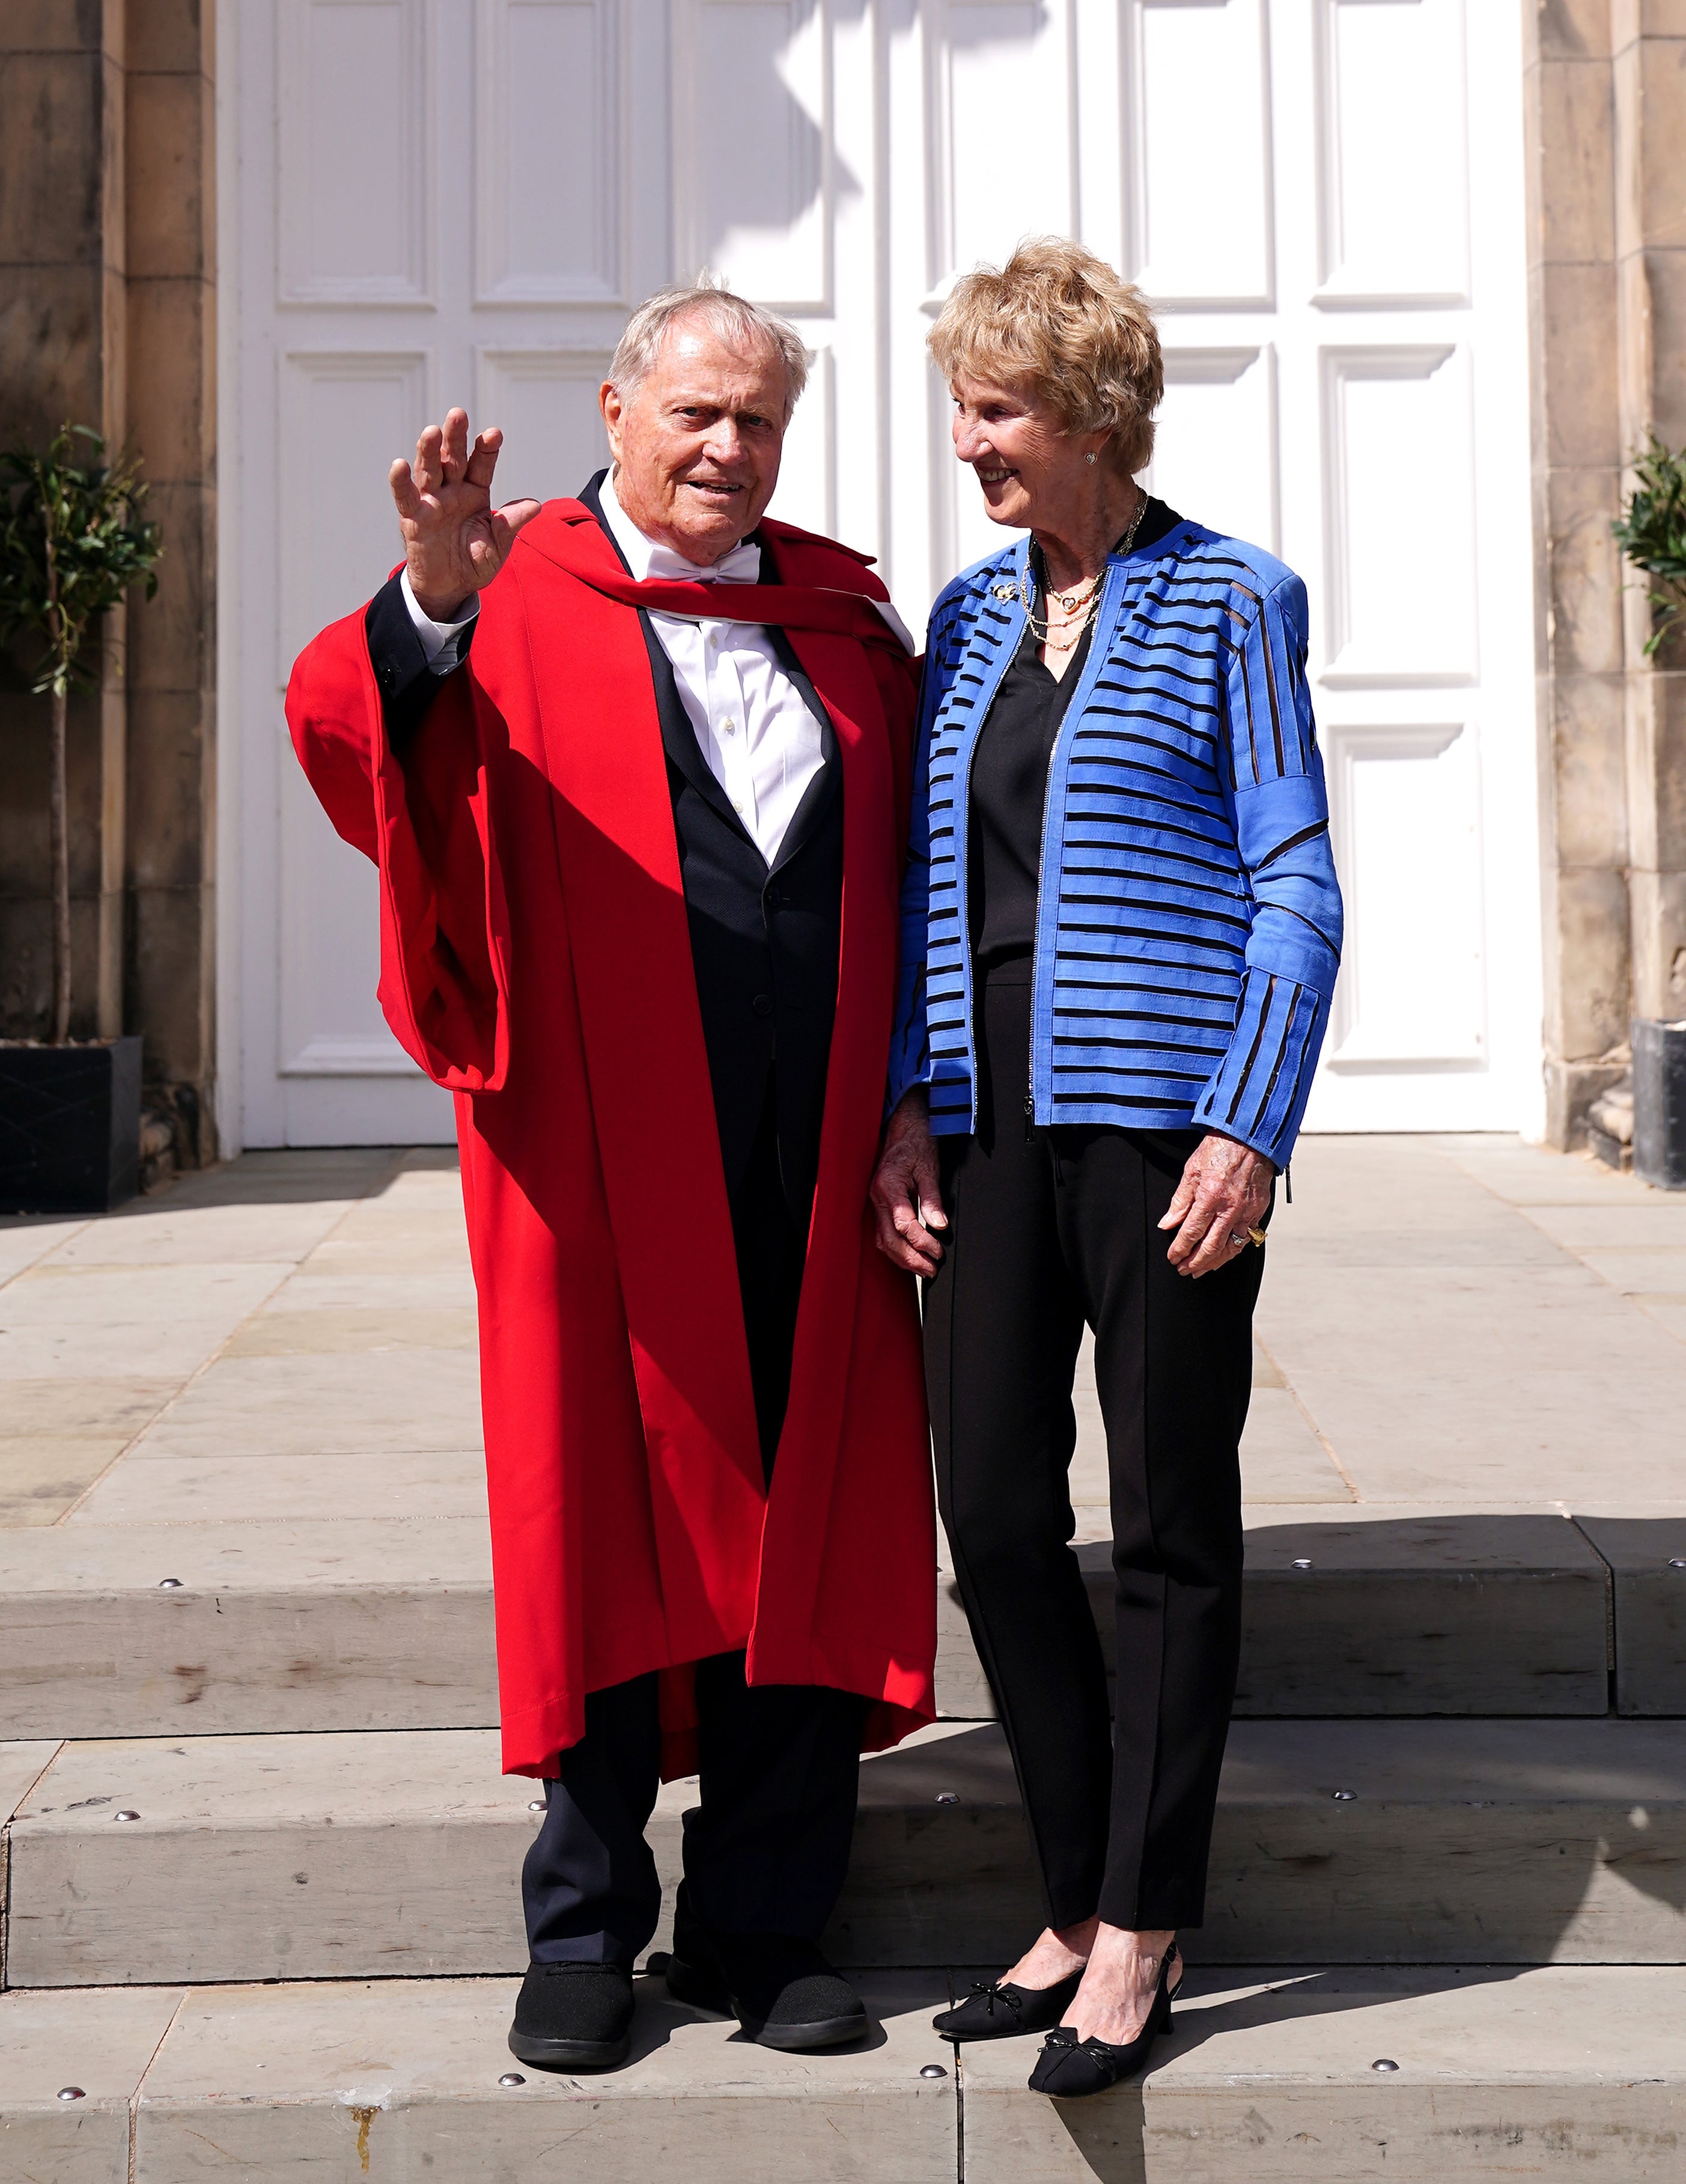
(1071, 601)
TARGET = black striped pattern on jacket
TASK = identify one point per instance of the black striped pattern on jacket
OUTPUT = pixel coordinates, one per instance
(1189, 921)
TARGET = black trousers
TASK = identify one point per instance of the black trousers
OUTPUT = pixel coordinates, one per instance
(767, 1848)
(1050, 1229)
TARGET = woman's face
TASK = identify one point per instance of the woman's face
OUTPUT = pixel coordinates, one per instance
(1031, 470)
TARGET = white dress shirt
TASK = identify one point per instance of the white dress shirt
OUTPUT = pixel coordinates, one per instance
(752, 724)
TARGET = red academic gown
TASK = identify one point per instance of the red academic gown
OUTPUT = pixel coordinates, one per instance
(535, 961)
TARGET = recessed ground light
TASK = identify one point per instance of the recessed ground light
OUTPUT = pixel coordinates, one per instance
(1677, 1561)
(1302, 1562)
(1384, 2063)
(125, 1815)
(512, 2078)
(535, 1804)
(71, 2093)
(948, 1797)
(169, 1584)
(932, 2071)
(1344, 1797)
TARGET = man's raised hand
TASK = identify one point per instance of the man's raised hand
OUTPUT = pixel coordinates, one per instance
(455, 542)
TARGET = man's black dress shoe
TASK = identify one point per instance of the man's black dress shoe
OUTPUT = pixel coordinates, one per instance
(996, 2009)
(1068, 2067)
(573, 2017)
(780, 1989)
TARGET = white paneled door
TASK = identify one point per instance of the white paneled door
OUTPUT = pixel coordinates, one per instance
(437, 201)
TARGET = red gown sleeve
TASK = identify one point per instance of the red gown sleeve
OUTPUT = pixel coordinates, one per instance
(426, 819)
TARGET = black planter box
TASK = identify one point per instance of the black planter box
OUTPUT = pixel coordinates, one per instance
(70, 1126)
(1659, 1103)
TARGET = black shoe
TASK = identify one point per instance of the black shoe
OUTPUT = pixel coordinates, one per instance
(780, 1989)
(573, 2017)
(995, 2009)
(1068, 2067)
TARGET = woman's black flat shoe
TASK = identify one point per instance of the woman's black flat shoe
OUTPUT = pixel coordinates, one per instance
(1068, 2067)
(996, 2009)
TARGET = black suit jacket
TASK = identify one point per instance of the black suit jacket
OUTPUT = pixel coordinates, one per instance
(764, 941)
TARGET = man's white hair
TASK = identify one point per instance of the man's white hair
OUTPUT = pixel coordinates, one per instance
(736, 321)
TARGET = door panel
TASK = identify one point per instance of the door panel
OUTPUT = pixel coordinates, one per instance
(460, 200)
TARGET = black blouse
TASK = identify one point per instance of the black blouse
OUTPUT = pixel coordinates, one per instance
(1010, 783)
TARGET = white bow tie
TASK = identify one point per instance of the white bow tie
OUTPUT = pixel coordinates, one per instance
(741, 566)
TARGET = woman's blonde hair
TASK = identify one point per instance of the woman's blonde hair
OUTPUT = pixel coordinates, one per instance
(1058, 321)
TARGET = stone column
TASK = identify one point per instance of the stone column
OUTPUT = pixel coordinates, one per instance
(171, 219)
(108, 317)
(1605, 93)
(1578, 575)
(1649, 43)
(63, 330)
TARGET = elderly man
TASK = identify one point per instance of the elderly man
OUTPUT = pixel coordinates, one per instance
(621, 761)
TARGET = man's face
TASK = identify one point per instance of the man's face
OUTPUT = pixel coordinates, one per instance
(697, 446)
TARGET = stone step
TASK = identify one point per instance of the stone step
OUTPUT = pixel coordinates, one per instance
(399, 1854)
(386, 1622)
(1268, 2075)
(1394, 1611)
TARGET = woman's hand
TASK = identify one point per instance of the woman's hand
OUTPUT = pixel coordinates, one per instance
(1225, 1189)
(904, 1193)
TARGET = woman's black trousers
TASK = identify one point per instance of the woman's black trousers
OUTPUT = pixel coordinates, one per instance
(1050, 1229)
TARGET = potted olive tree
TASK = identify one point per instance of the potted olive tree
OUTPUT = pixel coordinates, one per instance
(72, 544)
(1651, 531)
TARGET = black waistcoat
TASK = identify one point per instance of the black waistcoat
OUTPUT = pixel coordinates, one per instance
(764, 943)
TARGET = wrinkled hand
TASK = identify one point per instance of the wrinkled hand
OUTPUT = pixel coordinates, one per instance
(455, 542)
(1225, 1189)
(904, 1192)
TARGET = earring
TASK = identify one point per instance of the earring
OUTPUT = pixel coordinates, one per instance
(1089, 458)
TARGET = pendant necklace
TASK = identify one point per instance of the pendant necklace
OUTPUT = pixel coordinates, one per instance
(1079, 596)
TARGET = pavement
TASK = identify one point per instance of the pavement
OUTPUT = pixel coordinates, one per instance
(1461, 1324)
(245, 1609)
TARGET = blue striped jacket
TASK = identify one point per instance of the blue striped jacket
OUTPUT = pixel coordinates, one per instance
(1188, 919)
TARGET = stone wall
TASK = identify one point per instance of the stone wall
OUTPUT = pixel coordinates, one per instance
(107, 318)
(1606, 92)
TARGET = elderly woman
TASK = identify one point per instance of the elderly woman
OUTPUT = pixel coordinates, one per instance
(1120, 930)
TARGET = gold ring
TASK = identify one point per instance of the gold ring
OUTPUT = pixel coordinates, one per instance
(1256, 1236)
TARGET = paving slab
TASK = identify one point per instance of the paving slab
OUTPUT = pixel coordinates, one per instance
(1653, 1224)
(96, 1298)
(396, 2081)
(25, 1239)
(301, 1485)
(382, 1399)
(271, 1856)
(173, 1232)
(1282, 1458)
(1403, 1610)
(1503, 1842)
(21, 1766)
(58, 1435)
(1479, 1384)
(357, 1624)
(399, 1855)
(1561, 2070)
(136, 1346)
(444, 1285)
(1647, 1558)
(297, 1331)
(1529, 1176)
(1422, 1610)
(102, 2042)
(1669, 1312)
(41, 1478)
